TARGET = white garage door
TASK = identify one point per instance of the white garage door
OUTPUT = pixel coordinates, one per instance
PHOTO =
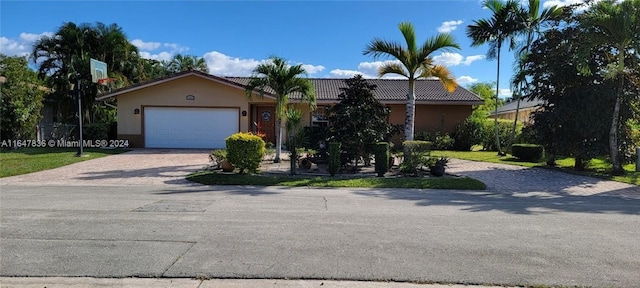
(172, 127)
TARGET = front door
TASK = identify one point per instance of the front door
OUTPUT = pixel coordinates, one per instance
(267, 122)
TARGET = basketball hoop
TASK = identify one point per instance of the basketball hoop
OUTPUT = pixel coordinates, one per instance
(105, 81)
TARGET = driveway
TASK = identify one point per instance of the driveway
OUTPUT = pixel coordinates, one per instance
(137, 167)
(170, 166)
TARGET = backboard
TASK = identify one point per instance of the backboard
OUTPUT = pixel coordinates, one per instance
(98, 70)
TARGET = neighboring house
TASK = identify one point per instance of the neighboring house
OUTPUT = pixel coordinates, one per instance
(508, 111)
(198, 110)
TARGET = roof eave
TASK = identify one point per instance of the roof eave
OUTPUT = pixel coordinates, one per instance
(179, 76)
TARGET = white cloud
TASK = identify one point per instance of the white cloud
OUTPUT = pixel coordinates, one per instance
(312, 69)
(505, 93)
(464, 80)
(165, 51)
(177, 48)
(455, 59)
(370, 69)
(470, 59)
(583, 6)
(223, 65)
(22, 46)
(449, 26)
(448, 59)
(340, 73)
(145, 46)
(166, 56)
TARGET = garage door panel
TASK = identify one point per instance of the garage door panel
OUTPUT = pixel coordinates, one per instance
(177, 127)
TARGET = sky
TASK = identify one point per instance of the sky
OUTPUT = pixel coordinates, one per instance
(327, 37)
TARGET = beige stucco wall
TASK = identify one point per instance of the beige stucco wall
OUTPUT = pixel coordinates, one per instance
(208, 93)
(524, 115)
(428, 117)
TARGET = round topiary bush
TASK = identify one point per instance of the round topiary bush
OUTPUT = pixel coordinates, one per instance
(245, 151)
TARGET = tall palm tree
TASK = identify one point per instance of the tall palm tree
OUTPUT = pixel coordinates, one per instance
(283, 80)
(615, 25)
(415, 63)
(181, 63)
(531, 20)
(64, 57)
(495, 30)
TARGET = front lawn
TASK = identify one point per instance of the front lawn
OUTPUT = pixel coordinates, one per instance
(28, 160)
(595, 168)
(215, 178)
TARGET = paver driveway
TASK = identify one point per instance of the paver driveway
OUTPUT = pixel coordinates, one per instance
(170, 166)
(137, 167)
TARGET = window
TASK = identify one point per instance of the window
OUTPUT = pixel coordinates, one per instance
(319, 117)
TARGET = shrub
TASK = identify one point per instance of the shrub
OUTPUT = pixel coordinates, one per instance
(382, 158)
(334, 157)
(416, 153)
(441, 141)
(527, 152)
(96, 131)
(468, 133)
(504, 132)
(245, 151)
(217, 156)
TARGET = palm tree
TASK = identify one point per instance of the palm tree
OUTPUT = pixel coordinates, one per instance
(618, 26)
(500, 27)
(283, 81)
(64, 58)
(531, 20)
(181, 63)
(415, 63)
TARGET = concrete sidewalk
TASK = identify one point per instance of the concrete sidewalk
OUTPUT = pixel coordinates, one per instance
(53, 282)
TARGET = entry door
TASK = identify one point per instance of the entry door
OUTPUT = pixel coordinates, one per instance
(267, 122)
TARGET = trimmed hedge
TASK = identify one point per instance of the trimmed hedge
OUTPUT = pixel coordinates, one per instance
(527, 152)
(382, 158)
(96, 131)
(334, 157)
(245, 151)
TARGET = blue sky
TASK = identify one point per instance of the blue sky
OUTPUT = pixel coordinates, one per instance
(328, 37)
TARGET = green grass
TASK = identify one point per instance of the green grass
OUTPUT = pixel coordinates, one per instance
(595, 168)
(214, 178)
(28, 160)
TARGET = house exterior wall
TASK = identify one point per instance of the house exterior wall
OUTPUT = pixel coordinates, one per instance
(524, 115)
(174, 93)
(432, 117)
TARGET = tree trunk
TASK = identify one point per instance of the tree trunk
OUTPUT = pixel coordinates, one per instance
(495, 115)
(409, 122)
(278, 139)
(613, 132)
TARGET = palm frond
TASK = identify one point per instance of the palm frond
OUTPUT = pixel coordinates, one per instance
(392, 68)
(443, 74)
(406, 28)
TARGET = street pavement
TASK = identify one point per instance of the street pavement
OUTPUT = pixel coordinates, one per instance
(477, 237)
(124, 217)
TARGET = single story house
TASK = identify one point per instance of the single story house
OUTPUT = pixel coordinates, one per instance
(527, 107)
(198, 110)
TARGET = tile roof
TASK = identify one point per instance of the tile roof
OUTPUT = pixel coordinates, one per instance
(328, 89)
(524, 105)
(387, 90)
